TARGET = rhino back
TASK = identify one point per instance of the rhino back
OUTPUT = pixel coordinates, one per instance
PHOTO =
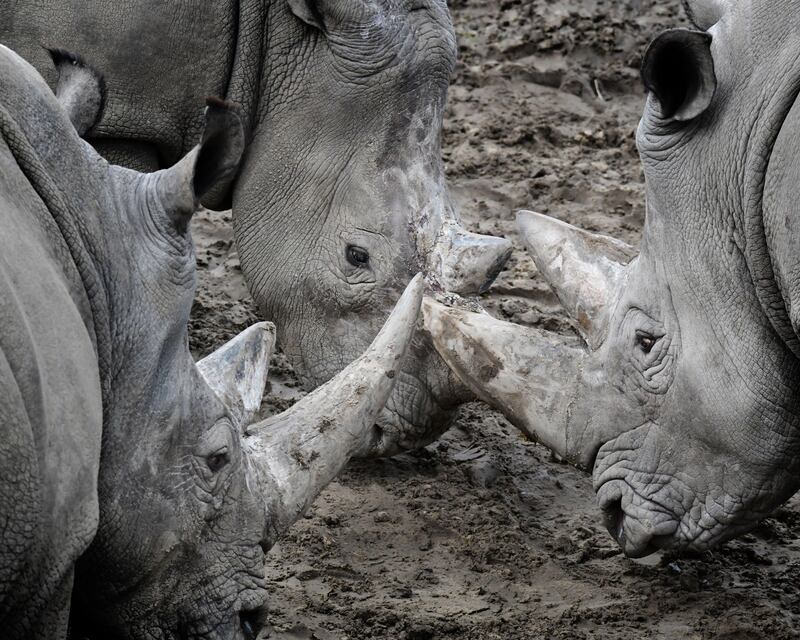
(50, 412)
(160, 59)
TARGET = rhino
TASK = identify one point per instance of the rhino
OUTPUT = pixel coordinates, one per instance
(341, 196)
(139, 493)
(683, 391)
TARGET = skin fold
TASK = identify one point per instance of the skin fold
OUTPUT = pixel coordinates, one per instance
(684, 397)
(341, 197)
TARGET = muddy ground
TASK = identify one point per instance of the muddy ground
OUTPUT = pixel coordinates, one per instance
(482, 535)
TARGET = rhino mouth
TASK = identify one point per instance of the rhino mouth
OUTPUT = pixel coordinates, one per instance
(638, 524)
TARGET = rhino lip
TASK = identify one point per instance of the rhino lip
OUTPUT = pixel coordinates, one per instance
(614, 520)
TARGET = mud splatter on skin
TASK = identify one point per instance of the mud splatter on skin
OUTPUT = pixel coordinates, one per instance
(422, 546)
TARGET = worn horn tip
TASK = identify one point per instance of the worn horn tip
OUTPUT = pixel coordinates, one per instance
(528, 219)
(415, 290)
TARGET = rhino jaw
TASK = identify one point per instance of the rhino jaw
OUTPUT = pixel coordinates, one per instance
(296, 454)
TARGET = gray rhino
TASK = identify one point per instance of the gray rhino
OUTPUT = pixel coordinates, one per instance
(685, 394)
(135, 483)
(341, 197)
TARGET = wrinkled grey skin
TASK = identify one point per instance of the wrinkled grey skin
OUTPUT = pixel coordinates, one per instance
(341, 197)
(119, 452)
(687, 399)
(377, 189)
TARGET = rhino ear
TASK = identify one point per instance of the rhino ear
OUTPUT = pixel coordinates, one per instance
(214, 160)
(221, 146)
(678, 69)
(309, 12)
(237, 371)
(81, 89)
(704, 14)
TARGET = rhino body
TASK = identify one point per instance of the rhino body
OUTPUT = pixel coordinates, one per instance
(51, 402)
(685, 397)
(341, 197)
(136, 486)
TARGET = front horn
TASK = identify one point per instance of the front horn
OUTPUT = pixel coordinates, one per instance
(296, 454)
(530, 376)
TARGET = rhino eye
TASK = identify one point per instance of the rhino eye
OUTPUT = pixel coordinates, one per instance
(217, 460)
(357, 256)
(645, 342)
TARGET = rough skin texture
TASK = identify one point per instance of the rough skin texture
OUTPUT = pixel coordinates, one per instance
(343, 104)
(686, 402)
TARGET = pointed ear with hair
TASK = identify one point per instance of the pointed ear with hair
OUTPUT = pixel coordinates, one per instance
(215, 159)
(309, 12)
(678, 70)
(81, 89)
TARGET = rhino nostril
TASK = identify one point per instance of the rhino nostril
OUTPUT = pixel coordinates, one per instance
(614, 519)
(251, 623)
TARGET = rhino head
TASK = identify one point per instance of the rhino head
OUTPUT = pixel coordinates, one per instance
(684, 392)
(192, 491)
(343, 197)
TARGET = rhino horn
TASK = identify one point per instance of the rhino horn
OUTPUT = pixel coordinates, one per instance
(470, 262)
(237, 372)
(81, 89)
(704, 14)
(294, 455)
(528, 375)
(585, 270)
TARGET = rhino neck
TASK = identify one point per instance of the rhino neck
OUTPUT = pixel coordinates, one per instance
(85, 206)
(249, 77)
(58, 171)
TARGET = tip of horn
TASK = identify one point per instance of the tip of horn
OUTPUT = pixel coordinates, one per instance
(403, 320)
(540, 231)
